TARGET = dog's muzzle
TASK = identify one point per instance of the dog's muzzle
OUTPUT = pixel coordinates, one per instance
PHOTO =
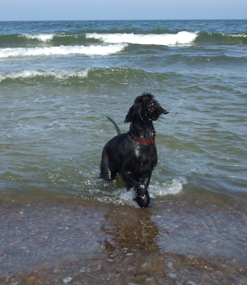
(157, 113)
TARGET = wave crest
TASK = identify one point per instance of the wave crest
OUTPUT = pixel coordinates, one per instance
(40, 37)
(92, 50)
(181, 38)
(28, 74)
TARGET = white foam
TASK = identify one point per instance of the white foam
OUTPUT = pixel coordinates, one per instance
(40, 37)
(126, 197)
(33, 73)
(172, 187)
(123, 197)
(62, 50)
(181, 38)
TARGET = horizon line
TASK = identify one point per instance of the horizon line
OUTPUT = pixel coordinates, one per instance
(220, 19)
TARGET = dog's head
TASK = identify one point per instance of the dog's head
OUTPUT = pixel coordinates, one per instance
(146, 108)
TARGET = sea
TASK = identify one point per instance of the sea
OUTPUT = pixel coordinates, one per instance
(59, 222)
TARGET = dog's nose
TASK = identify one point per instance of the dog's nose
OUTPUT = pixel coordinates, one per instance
(165, 112)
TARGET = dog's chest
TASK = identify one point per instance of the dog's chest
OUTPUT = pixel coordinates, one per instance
(146, 157)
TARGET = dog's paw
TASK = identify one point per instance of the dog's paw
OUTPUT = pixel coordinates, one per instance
(142, 198)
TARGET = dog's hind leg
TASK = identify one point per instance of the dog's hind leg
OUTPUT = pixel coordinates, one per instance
(107, 169)
(105, 172)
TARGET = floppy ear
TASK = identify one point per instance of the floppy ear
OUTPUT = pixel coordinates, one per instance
(129, 116)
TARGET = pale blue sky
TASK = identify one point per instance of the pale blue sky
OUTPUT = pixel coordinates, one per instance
(14, 10)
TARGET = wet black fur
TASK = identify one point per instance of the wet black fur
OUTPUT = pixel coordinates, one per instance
(135, 161)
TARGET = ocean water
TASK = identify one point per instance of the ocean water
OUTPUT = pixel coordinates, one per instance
(59, 81)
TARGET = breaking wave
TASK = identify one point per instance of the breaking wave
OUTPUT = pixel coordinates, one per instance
(40, 37)
(28, 74)
(97, 50)
(181, 38)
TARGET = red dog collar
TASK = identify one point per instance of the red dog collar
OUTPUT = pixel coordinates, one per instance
(144, 141)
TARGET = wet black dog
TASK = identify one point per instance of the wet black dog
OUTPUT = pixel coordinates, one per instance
(134, 154)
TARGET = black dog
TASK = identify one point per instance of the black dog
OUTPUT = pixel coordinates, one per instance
(134, 154)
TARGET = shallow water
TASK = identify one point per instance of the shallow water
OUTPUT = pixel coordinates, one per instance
(197, 239)
(58, 82)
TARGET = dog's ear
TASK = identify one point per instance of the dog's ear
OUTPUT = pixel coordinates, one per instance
(129, 116)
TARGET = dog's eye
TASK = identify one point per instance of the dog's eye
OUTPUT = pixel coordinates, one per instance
(151, 105)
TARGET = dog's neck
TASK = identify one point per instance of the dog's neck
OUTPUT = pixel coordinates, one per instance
(143, 130)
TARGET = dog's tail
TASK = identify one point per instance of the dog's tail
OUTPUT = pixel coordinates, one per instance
(115, 124)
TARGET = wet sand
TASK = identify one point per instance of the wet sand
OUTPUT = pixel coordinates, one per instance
(192, 239)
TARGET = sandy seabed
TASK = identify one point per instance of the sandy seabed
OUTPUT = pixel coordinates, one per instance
(197, 239)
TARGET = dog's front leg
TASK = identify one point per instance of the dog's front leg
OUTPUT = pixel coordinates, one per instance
(129, 179)
(142, 196)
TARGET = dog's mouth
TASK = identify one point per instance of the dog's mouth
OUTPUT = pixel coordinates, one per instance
(155, 111)
(155, 116)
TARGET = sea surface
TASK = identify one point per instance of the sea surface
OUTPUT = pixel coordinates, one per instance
(59, 222)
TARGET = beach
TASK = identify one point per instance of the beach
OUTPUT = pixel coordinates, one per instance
(178, 241)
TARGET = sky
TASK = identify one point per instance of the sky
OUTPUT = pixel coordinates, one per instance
(29, 10)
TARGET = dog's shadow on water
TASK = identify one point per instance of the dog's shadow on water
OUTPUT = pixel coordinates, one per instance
(129, 230)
